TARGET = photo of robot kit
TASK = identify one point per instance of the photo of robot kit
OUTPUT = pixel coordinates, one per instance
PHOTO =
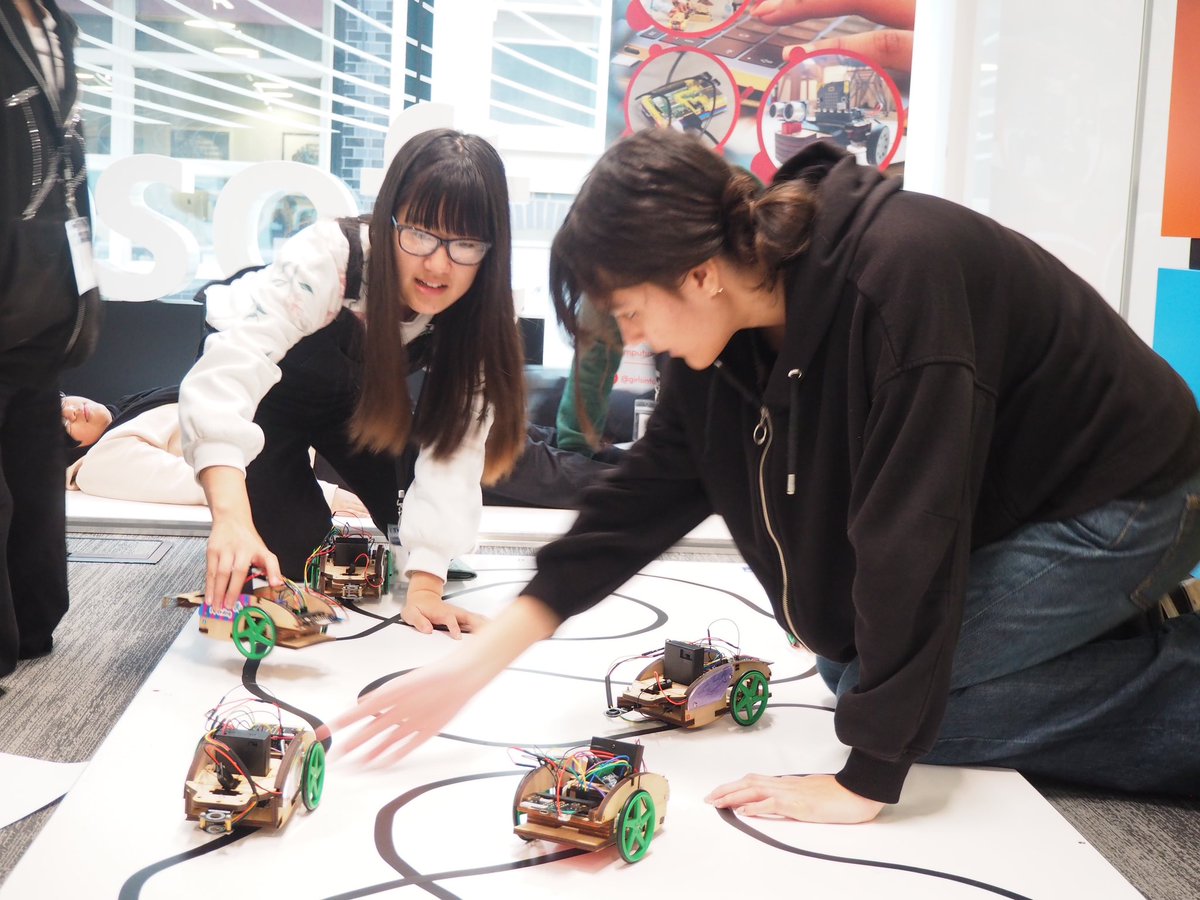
(757, 90)
(688, 91)
(836, 98)
(692, 16)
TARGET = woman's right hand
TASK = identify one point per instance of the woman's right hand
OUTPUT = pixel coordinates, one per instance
(234, 549)
(234, 545)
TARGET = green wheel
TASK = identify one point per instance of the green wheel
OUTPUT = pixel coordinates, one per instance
(635, 826)
(383, 568)
(748, 699)
(253, 632)
(314, 776)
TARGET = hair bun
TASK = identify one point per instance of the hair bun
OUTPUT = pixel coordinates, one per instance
(738, 208)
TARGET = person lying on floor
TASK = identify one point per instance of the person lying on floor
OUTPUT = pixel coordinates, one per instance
(132, 451)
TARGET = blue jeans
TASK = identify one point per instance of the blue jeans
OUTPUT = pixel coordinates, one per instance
(1063, 666)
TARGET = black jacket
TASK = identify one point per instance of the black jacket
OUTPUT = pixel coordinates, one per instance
(44, 322)
(942, 381)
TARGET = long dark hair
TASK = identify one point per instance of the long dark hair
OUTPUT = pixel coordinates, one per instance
(451, 183)
(656, 205)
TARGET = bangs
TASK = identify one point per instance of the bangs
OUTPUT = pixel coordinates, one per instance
(585, 275)
(449, 196)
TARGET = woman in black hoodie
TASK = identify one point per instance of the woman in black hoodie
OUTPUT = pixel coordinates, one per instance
(964, 482)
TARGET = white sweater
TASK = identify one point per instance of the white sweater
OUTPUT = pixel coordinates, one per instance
(142, 459)
(260, 317)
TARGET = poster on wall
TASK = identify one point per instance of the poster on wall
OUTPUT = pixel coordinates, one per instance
(762, 79)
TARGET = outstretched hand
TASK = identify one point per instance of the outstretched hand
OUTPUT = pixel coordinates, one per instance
(806, 798)
(404, 713)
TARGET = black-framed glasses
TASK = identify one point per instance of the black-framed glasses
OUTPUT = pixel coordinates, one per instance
(464, 251)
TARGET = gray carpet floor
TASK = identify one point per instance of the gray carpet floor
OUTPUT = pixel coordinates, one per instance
(61, 708)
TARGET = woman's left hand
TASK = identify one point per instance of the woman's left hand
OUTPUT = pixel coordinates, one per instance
(424, 608)
(807, 798)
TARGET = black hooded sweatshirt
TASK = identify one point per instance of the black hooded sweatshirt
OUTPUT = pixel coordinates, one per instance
(942, 381)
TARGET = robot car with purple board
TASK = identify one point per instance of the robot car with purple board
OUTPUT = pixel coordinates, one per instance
(263, 617)
(691, 684)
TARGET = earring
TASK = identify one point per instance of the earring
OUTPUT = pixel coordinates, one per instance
(719, 290)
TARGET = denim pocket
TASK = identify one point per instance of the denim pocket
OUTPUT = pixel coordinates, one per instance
(1106, 526)
(1178, 560)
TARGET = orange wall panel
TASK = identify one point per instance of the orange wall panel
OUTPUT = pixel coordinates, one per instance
(1181, 191)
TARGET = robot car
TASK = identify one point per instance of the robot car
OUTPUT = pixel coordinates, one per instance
(291, 616)
(688, 104)
(592, 799)
(835, 118)
(692, 684)
(349, 566)
(252, 772)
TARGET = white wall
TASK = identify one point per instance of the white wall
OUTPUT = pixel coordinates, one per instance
(1151, 251)
(1052, 118)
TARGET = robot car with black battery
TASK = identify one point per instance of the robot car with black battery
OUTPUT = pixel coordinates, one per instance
(691, 684)
(249, 769)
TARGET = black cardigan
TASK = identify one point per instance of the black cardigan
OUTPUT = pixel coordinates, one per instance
(942, 381)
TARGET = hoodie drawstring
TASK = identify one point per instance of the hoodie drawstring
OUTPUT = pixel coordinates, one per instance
(793, 437)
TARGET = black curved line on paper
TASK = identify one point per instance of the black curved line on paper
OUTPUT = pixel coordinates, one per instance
(754, 607)
(655, 729)
(426, 880)
(731, 818)
(132, 888)
(250, 682)
(387, 851)
(350, 604)
(533, 571)
(660, 617)
(381, 623)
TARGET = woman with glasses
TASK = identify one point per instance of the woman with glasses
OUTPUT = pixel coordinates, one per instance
(317, 349)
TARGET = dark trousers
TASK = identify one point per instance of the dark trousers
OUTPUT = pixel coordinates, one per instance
(311, 406)
(1062, 668)
(33, 561)
(546, 475)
